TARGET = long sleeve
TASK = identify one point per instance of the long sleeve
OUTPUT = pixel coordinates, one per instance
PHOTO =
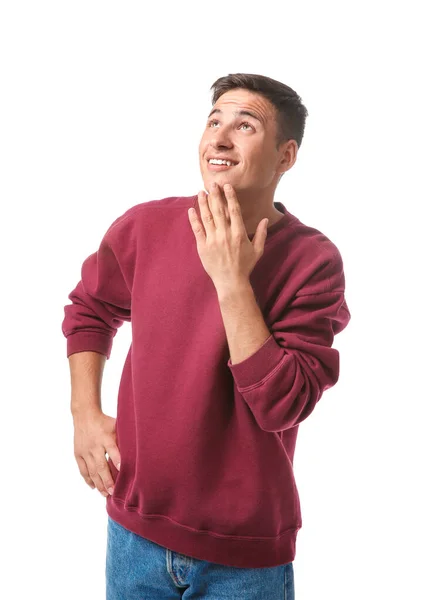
(101, 301)
(285, 378)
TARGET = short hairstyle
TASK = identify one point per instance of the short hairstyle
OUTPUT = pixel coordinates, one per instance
(291, 112)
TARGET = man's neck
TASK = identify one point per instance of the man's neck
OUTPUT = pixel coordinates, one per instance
(274, 215)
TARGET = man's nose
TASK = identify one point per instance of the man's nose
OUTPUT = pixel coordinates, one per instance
(221, 138)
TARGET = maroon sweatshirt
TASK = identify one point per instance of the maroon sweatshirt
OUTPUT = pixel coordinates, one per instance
(207, 446)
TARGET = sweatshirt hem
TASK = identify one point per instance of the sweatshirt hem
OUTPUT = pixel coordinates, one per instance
(233, 551)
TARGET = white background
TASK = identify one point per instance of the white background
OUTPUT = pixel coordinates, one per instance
(102, 107)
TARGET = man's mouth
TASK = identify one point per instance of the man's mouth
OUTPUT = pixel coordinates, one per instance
(220, 165)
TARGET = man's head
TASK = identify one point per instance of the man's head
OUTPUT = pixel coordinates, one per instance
(264, 144)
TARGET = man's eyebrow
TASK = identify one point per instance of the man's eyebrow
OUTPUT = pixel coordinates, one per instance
(237, 113)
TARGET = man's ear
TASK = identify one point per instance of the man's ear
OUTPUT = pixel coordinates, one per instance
(289, 157)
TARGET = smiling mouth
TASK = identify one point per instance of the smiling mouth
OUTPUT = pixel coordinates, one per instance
(221, 167)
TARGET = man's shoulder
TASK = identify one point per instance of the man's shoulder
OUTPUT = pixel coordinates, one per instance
(168, 202)
(143, 211)
(313, 242)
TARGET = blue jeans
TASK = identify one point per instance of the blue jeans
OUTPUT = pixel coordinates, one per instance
(139, 569)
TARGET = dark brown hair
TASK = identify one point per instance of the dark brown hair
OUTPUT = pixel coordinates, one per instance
(291, 112)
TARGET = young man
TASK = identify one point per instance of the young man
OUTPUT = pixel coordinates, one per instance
(234, 306)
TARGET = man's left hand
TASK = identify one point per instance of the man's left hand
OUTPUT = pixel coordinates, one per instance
(226, 252)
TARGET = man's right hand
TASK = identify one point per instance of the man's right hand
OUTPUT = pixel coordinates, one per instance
(94, 437)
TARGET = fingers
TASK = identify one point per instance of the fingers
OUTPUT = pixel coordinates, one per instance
(114, 454)
(83, 469)
(94, 437)
(95, 470)
(101, 475)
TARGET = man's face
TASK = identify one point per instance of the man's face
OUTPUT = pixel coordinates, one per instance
(248, 140)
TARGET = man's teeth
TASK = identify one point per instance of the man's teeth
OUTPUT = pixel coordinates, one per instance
(215, 161)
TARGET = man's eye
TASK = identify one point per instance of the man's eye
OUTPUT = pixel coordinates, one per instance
(210, 123)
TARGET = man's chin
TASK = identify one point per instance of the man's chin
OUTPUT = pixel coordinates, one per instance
(221, 181)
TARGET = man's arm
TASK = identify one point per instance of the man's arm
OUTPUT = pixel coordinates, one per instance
(244, 323)
(282, 370)
(101, 302)
(94, 432)
(86, 373)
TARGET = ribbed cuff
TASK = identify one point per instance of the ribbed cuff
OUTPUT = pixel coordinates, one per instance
(89, 341)
(251, 371)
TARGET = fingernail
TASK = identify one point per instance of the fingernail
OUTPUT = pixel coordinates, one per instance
(111, 490)
(118, 466)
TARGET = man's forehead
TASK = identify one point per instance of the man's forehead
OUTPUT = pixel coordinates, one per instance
(256, 106)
